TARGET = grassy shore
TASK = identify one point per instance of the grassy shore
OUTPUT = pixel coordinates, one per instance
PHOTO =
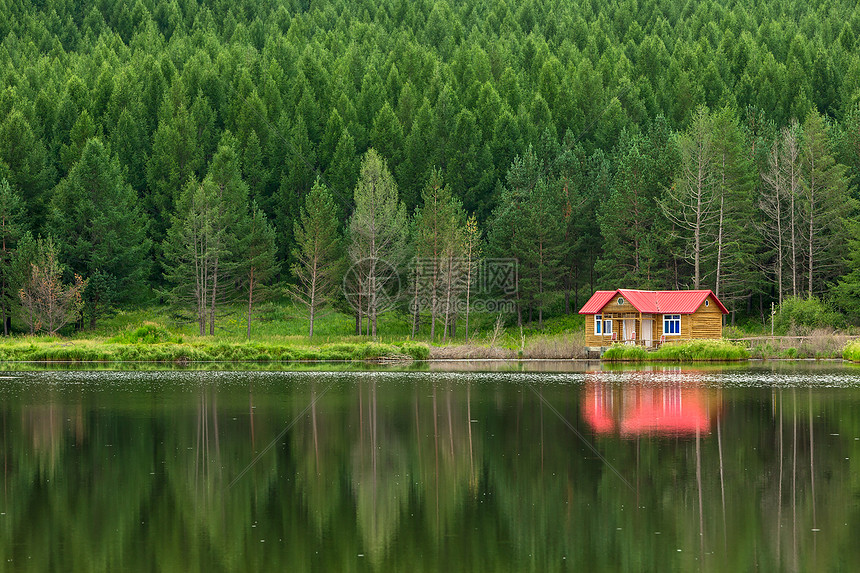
(155, 344)
(852, 351)
(279, 335)
(695, 351)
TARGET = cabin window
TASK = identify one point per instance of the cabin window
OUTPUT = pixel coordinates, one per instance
(671, 324)
(607, 327)
(598, 323)
(620, 301)
(707, 302)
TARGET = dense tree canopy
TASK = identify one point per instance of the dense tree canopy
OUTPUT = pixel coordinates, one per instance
(304, 89)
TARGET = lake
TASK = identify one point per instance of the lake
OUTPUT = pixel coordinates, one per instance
(460, 466)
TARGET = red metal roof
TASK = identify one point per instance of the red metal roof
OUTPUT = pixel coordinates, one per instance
(597, 301)
(654, 301)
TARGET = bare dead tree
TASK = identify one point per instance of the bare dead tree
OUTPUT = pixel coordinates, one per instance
(771, 205)
(692, 203)
(794, 184)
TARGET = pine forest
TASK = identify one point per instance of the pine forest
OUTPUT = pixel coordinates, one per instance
(203, 155)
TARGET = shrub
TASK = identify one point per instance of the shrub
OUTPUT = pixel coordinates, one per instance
(809, 313)
(694, 351)
(852, 351)
(149, 333)
(623, 352)
(416, 350)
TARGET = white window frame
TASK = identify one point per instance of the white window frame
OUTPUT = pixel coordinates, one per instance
(671, 318)
(607, 327)
(598, 323)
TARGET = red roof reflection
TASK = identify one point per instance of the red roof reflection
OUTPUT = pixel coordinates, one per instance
(636, 409)
(669, 411)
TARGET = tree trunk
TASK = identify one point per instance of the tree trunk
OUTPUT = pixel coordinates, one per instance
(468, 289)
(449, 283)
(697, 228)
(250, 300)
(793, 248)
(811, 220)
(567, 292)
(415, 304)
(358, 322)
(3, 292)
(94, 314)
(719, 247)
(214, 294)
(519, 311)
(313, 299)
(433, 298)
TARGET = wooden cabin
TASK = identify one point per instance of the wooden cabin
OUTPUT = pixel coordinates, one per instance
(649, 317)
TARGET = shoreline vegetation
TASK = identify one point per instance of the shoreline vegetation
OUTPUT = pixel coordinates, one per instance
(154, 343)
(852, 351)
(149, 335)
(694, 351)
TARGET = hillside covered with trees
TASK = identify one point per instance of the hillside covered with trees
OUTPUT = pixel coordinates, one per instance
(200, 152)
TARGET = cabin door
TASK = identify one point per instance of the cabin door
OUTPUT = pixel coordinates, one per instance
(647, 332)
(630, 331)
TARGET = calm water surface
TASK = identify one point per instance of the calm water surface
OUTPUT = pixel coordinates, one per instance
(562, 469)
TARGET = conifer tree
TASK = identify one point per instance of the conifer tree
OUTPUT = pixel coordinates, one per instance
(732, 259)
(317, 253)
(258, 255)
(472, 254)
(28, 167)
(434, 232)
(203, 247)
(11, 230)
(377, 233)
(194, 241)
(527, 226)
(692, 203)
(826, 205)
(101, 231)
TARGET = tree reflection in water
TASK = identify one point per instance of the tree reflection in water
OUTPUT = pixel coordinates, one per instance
(425, 470)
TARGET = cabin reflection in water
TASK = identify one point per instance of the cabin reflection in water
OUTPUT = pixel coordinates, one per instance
(677, 407)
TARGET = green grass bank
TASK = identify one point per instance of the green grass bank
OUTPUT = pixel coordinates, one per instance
(279, 334)
(852, 351)
(695, 351)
